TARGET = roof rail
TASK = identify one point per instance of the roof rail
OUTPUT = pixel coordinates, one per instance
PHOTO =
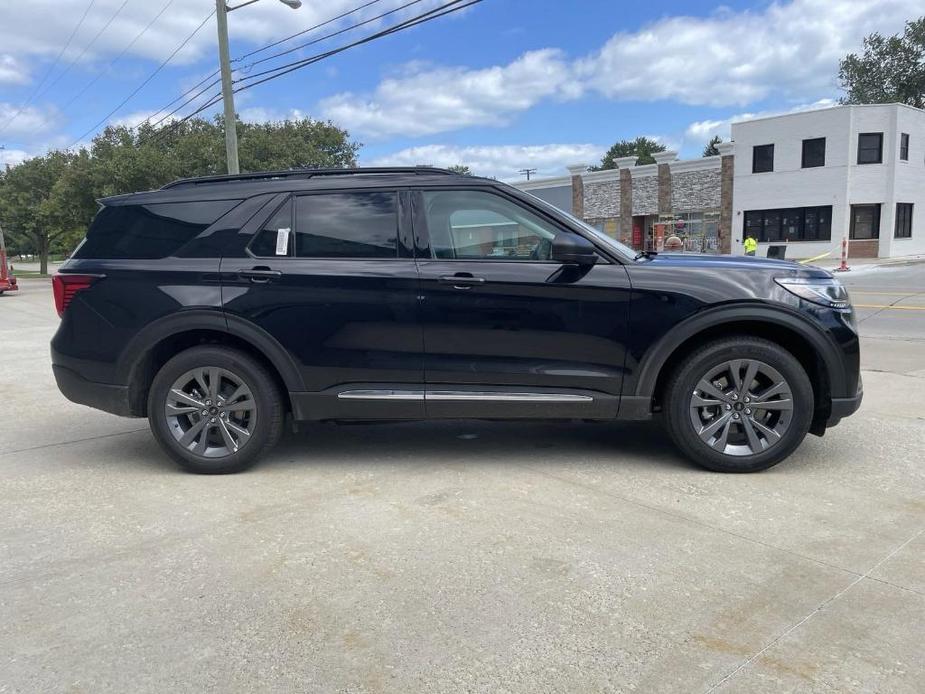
(306, 173)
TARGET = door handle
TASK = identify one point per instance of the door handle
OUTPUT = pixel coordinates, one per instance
(462, 281)
(259, 275)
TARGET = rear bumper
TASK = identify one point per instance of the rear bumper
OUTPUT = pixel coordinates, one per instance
(101, 396)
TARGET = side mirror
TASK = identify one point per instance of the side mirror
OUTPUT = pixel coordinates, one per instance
(572, 249)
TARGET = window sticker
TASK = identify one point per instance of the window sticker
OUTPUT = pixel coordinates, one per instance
(282, 241)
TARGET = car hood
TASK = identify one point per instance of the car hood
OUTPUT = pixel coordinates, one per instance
(735, 262)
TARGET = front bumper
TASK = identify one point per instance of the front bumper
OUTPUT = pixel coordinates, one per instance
(101, 396)
(845, 407)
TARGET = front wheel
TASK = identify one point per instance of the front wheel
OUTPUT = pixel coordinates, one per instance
(214, 410)
(739, 405)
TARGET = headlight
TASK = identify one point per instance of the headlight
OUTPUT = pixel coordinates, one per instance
(823, 291)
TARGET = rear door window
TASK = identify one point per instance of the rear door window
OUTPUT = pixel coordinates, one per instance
(149, 231)
(347, 225)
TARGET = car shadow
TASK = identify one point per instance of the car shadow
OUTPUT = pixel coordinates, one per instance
(476, 442)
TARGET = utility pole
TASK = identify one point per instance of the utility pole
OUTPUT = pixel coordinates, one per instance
(527, 172)
(224, 60)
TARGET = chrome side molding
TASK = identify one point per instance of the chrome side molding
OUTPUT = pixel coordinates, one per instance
(461, 395)
(381, 395)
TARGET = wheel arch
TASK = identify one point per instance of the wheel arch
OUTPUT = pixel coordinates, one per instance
(154, 345)
(810, 347)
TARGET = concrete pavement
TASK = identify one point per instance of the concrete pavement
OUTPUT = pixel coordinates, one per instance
(465, 556)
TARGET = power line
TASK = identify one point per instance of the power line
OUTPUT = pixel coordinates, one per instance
(264, 48)
(87, 47)
(435, 13)
(122, 53)
(327, 36)
(50, 70)
(305, 31)
(276, 55)
(285, 69)
(147, 79)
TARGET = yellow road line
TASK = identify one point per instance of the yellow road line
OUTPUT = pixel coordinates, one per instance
(898, 308)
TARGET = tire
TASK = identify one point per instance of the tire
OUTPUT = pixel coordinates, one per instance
(717, 420)
(235, 437)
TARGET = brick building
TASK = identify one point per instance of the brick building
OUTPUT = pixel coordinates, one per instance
(805, 180)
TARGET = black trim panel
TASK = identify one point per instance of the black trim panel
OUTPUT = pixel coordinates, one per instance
(101, 396)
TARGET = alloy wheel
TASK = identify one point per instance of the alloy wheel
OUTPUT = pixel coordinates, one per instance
(211, 412)
(741, 407)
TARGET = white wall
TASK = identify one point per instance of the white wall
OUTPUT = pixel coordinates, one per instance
(909, 184)
(841, 182)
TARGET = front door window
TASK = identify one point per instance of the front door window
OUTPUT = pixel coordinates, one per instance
(472, 225)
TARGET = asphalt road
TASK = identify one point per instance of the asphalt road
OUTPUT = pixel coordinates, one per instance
(464, 556)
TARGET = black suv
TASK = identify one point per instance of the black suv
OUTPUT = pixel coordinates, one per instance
(216, 306)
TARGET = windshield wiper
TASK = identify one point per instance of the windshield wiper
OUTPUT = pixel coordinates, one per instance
(645, 254)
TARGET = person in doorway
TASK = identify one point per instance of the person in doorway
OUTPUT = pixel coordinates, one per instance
(751, 245)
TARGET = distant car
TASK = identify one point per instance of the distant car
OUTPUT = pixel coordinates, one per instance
(218, 306)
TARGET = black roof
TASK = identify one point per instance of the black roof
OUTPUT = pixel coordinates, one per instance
(247, 184)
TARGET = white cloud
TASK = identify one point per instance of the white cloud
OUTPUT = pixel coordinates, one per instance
(702, 131)
(12, 71)
(500, 161)
(42, 28)
(261, 114)
(29, 122)
(12, 157)
(788, 50)
(424, 101)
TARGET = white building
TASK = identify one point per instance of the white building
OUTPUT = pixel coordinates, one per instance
(811, 179)
(805, 180)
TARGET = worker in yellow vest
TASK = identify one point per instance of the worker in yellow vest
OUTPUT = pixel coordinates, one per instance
(751, 245)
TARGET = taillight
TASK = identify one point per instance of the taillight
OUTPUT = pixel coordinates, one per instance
(65, 286)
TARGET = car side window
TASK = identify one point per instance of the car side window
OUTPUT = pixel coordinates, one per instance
(347, 225)
(475, 225)
(275, 239)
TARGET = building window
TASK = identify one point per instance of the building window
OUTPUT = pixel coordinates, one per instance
(903, 220)
(814, 152)
(790, 224)
(865, 222)
(904, 146)
(870, 148)
(762, 158)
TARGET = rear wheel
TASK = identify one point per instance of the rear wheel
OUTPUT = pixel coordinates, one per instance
(214, 410)
(739, 405)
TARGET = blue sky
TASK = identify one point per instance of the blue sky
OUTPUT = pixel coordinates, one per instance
(499, 86)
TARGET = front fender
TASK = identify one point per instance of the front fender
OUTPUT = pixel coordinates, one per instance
(656, 357)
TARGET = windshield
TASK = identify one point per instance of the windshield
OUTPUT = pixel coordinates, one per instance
(608, 242)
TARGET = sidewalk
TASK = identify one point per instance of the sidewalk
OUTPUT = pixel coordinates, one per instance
(831, 263)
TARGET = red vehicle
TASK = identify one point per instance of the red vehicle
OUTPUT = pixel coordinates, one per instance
(7, 281)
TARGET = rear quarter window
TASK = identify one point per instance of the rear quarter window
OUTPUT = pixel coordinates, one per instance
(149, 231)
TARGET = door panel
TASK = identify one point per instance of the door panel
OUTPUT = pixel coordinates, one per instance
(522, 327)
(499, 316)
(344, 320)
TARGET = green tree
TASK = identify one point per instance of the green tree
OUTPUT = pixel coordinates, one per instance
(710, 150)
(642, 147)
(460, 169)
(29, 214)
(890, 69)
